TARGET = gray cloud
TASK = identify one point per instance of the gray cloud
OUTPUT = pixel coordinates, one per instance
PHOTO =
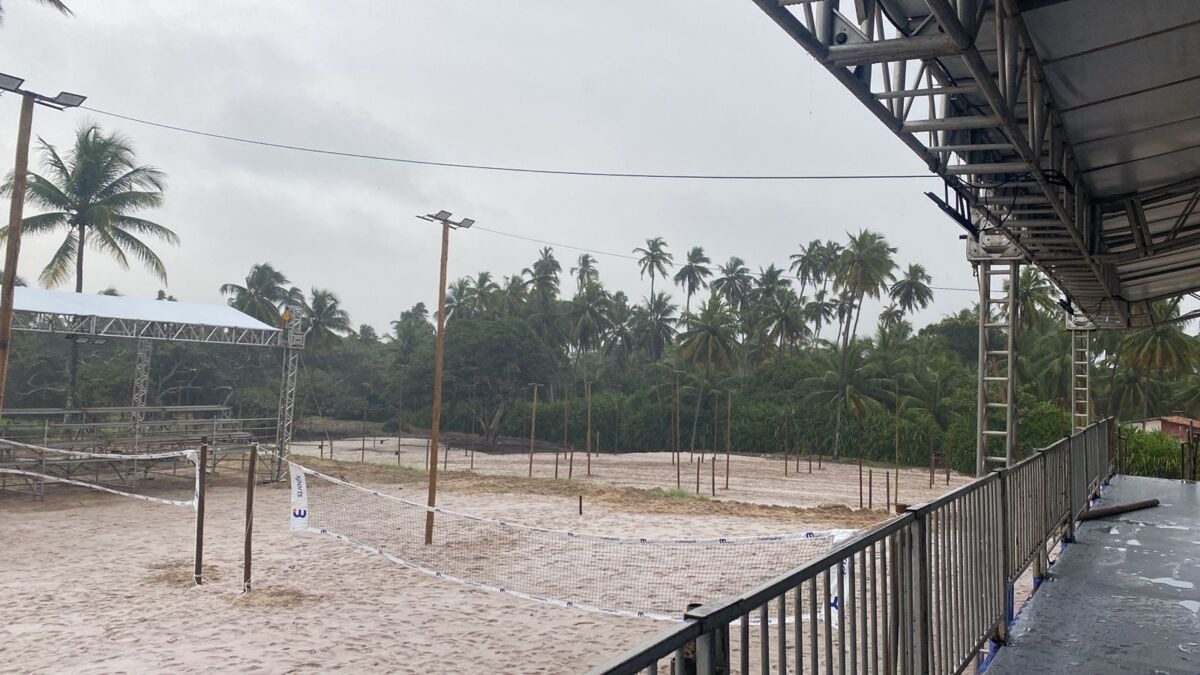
(701, 86)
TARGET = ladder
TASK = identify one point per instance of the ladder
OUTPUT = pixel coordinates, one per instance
(997, 396)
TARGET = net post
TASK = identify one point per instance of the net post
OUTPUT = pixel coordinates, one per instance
(246, 551)
(202, 467)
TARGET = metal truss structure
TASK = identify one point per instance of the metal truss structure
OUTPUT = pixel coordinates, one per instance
(1067, 136)
(1081, 371)
(97, 327)
(141, 384)
(293, 345)
(1067, 125)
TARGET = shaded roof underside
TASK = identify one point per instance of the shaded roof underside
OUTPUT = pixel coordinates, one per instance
(1072, 126)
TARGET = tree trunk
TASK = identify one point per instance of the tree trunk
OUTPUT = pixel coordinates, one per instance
(73, 366)
(837, 432)
(493, 429)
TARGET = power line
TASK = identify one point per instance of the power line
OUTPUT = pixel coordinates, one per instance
(507, 168)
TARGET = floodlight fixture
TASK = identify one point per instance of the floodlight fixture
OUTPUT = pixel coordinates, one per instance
(443, 217)
(11, 83)
(68, 100)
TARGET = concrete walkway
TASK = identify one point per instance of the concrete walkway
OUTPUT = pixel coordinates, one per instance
(1124, 596)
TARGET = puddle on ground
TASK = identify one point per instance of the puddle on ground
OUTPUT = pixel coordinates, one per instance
(1167, 581)
(1191, 605)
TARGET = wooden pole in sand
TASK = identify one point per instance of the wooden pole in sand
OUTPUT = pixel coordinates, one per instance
(860, 479)
(532, 425)
(202, 467)
(12, 252)
(566, 412)
(678, 458)
(587, 392)
(713, 473)
(870, 489)
(249, 536)
(728, 433)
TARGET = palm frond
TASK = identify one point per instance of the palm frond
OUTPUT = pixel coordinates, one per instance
(61, 264)
(138, 249)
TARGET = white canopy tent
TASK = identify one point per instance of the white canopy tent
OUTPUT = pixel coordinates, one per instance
(96, 318)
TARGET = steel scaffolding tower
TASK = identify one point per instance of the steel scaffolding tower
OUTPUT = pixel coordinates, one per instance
(1081, 369)
(141, 383)
(292, 345)
(997, 266)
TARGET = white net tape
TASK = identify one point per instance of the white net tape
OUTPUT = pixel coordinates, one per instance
(627, 576)
(125, 474)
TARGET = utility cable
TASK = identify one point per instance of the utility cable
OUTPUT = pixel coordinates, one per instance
(507, 168)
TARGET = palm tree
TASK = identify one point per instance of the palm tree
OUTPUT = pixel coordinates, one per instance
(513, 296)
(327, 321)
(619, 339)
(912, 290)
(654, 259)
(589, 317)
(585, 271)
(92, 194)
(483, 295)
(710, 339)
(847, 383)
(1035, 299)
(53, 4)
(733, 283)
(864, 270)
(891, 316)
(819, 312)
(264, 292)
(654, 323)
(460, 300)
(783, 318)
(1163, 347)
(808, 264)
(692, 275)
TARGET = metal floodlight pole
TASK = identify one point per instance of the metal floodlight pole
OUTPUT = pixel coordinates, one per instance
(17, 205)
(442, 217)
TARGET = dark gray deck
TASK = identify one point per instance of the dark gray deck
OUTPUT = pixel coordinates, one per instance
(1124, 597)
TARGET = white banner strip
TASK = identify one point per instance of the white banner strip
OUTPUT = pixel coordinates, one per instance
(93, 486)
(100, 455)
(834, 535)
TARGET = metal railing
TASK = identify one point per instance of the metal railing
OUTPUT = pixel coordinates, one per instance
(922, 593)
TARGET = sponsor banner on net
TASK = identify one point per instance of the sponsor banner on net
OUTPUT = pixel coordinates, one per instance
(299, 499)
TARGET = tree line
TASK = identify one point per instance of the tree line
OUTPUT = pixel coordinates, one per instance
(788, 348)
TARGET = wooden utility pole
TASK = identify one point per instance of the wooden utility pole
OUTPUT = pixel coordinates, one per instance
(249, 535)
(566, 421)
(16, 208)
(532, 426)
(728, 434)
(438, 354)
(587, 392)
(678, 459)
(202, 467)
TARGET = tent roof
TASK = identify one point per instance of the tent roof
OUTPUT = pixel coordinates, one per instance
(115, 316)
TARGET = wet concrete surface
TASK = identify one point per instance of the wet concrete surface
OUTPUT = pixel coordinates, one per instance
(1123, 598)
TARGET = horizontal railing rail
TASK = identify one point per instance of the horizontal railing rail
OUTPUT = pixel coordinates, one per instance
(921, 593)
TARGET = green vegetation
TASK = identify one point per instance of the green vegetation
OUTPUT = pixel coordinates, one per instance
(789, 343)
(1151, 454)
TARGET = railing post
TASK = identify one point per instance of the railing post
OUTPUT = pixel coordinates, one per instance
(1040, 562)
(1069, 527)
(918, 541)
(1005, 556)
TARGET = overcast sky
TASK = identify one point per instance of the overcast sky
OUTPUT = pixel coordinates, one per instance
(703, 86)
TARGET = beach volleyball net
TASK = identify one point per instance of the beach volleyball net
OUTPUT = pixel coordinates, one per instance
(628, 576)
(170, 478)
